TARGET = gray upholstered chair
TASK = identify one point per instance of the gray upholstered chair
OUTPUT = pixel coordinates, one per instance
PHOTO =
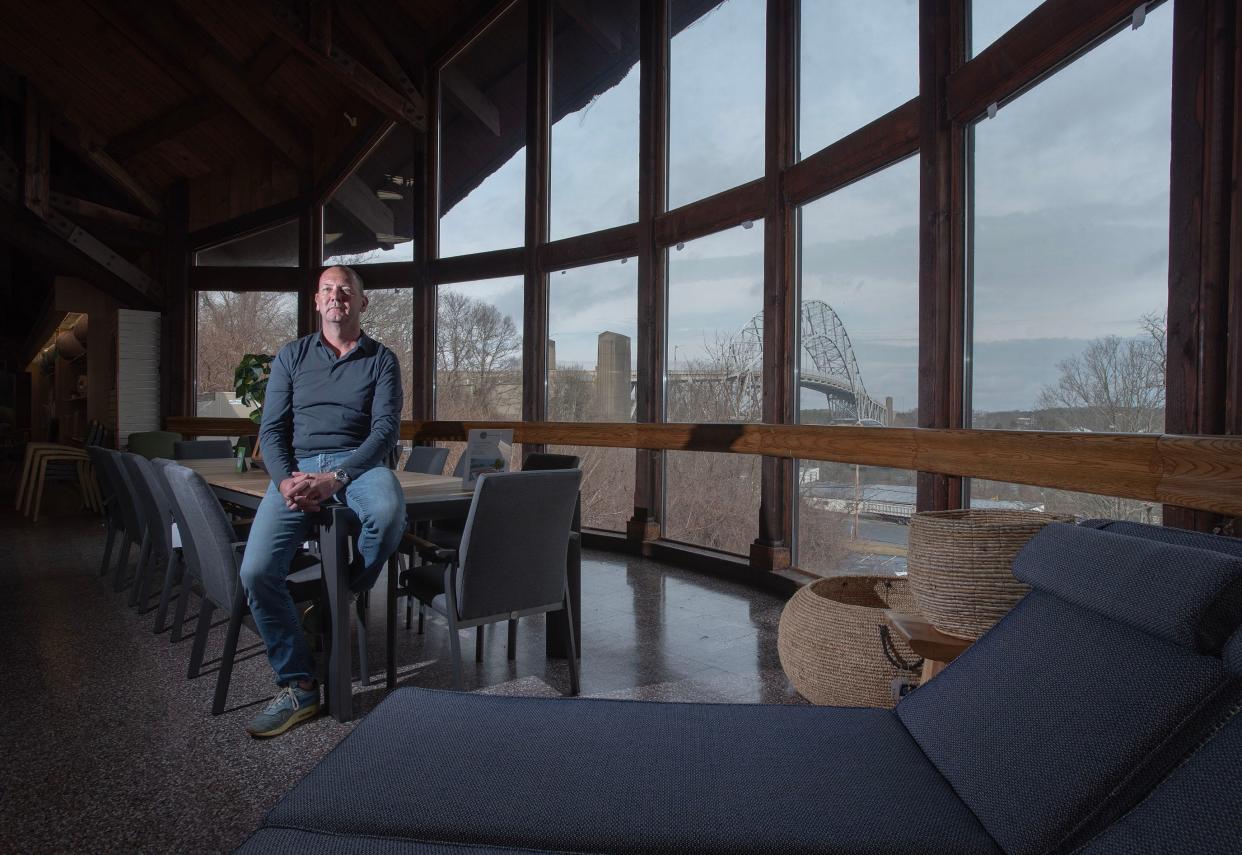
(214, 557)
(157, 552)
(202, 449)
(511, 562)
(114, 519)
(135, 525)
(427, 459)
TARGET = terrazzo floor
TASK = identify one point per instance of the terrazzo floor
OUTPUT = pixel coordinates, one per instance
(107, 747)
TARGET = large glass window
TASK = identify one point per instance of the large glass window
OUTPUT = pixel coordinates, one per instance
(483, 140)
(370, 217)
(272, 246)
(858, 61)
(389, 319)
(716, 97)
(858, 365)
(714, 374)
(230, 325)
(1070, 254)
(594, 168)
(479, 350)
(593, 333)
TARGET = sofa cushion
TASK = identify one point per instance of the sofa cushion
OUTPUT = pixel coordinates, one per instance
(1167, 534)
(1173, 592)
(627, 776)
(1072, 698)
(1197, 808)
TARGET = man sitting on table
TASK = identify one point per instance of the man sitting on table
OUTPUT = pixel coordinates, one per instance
(330, 416)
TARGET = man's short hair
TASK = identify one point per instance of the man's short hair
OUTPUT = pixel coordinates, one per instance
(354, 276)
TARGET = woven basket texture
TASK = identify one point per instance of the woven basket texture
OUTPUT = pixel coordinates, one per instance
(961, 565)
(829, 640)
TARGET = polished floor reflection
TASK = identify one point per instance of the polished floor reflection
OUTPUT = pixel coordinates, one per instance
(107, 746)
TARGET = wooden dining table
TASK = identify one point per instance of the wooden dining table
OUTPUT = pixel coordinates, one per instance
(427, 497)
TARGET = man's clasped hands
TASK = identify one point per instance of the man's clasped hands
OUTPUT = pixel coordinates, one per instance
(306, 491)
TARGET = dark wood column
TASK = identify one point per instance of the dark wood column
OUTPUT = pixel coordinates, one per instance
(427, 227)
(1199, 227)
(772, 550)
(538, 151)
(943, 300)
(177, 331)
(1233, 373)
(652, 267)
(310, 259)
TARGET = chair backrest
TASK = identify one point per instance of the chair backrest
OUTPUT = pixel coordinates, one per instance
(202, 449)
(427, 459)
(515, 541)
(1079, 692)
(188, 552)
(459, 468)
(152, 501)
(153, 443)
(104, 475)
(543, 461)
(127, 496)
(205, 530)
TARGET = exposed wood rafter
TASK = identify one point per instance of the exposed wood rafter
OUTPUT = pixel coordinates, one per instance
(88, 210)
(347, 70)
(370, 38)
(36, 184)
(49, 245)
(599, 21)
(462, 91)
(181, 42)
(192, 113)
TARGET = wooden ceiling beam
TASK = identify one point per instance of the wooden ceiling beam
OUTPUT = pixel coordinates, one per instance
(36, 183)
(369, 36)
(598, 22)
(194, 112)
(470, 98)
(178, 120)
(88, 210)
(347, 70)
(166, 32)
(91, 148)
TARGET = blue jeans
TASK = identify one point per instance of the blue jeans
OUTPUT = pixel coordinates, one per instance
(375, 496)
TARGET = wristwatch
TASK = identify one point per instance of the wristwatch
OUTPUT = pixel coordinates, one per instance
(341, 476)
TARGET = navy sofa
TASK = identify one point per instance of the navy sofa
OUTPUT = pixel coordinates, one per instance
(1100, 715)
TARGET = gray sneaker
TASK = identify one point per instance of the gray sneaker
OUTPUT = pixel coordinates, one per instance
(291, 705)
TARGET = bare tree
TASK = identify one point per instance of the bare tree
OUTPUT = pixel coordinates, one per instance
(478, 360)
(232, 324)
(1115, 384)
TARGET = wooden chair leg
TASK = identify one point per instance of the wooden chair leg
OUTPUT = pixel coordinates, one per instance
(361, 603)
(205, 609)
(172, 570)
(225, 676)
(27, 460)
(144, 555)
(38, 489)
(183, 602)
(108, 544)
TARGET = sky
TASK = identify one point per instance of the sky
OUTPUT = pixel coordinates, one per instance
(1070, 187)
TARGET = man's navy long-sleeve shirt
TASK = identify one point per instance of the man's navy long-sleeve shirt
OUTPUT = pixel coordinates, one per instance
(318, 403)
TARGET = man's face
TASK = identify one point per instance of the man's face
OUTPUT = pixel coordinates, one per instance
(338, 300)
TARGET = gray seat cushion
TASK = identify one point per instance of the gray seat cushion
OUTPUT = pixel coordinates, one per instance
(626, 776)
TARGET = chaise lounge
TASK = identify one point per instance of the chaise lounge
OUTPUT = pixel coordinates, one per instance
(1100, 715)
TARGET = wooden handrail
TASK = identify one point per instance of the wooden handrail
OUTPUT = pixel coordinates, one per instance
(1202, 472)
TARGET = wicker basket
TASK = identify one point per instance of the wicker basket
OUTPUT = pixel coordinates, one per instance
(961, 565)
(832, 639)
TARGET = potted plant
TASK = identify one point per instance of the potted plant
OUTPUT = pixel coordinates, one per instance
(250, 384)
